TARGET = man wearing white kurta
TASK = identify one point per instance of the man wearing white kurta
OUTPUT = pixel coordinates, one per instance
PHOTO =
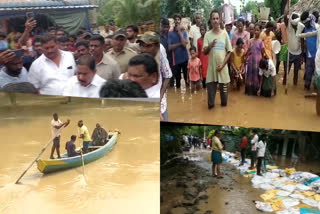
(87, 83)
(194, 33)
(254, 142)
(52, 69)
(261, 146)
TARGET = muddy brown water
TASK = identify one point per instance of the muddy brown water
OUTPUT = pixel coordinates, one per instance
(126, 180)
(284, 111)
(233, 194)
(306, 166)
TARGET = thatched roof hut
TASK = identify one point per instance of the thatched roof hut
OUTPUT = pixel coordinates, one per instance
(304, 5)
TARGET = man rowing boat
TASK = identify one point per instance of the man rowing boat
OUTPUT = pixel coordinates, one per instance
(56, 134)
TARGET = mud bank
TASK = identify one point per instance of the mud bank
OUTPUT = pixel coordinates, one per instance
(188, 187)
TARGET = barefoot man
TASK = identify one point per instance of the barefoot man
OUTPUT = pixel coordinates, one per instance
(56, 133)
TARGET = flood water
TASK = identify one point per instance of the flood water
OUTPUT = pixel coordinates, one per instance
(233, 194)
(306, 166)
(126, 180)
(290, 111)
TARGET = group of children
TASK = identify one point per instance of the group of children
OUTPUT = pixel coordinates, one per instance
(250, 63)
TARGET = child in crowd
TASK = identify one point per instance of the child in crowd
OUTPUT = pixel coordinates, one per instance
(194, 70)
(255, 54)
(237, 64)
(267, 72)
(203, 58)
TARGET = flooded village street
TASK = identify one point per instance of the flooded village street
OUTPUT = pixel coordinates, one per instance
(187, 186)
(292, 110)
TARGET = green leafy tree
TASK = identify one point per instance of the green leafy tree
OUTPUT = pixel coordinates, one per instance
(126, 12)
(217, 4)
(277, 6)
(187, 8)
(253, 6)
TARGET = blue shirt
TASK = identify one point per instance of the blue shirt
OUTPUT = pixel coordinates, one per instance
(6, 78)
(180, 54)
(311, 43)
(164, 42)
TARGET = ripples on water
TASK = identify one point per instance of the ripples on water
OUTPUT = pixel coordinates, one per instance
(126, 180)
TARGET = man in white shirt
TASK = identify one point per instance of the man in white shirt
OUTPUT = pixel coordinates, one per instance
(294, 47)
(261, 147)
(254, 141)
(87, 83)
(52, 69)
(56, 134)
(194, 33)
(166, 74)
(143, 69)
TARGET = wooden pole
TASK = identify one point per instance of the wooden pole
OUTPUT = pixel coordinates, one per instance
(42, 150)
(84, 175)
(289, 26)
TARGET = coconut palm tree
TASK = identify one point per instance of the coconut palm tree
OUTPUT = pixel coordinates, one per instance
(127, 12)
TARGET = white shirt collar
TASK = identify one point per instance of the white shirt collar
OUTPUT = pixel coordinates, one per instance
(96, 81)
(154, 91)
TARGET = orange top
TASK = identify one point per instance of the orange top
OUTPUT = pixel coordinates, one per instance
(267, 42)
(194, 69)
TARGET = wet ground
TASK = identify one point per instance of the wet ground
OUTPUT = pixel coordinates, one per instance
(233, 194)
(284, 111)
(126, 180)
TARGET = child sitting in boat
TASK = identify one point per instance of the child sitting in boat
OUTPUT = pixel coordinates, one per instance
(71, 148)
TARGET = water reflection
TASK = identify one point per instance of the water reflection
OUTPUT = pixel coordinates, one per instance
(290, 111)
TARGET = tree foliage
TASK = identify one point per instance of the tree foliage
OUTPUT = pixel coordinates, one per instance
(126, 12)
(187, 8)
(253, 7)
(277, 6)
(170, 147)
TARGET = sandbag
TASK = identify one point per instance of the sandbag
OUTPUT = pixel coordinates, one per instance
(311, 202)
(265, 207)
(309, 211)
(290, 202)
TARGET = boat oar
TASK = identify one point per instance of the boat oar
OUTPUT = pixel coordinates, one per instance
(42, 150)
(84, 175)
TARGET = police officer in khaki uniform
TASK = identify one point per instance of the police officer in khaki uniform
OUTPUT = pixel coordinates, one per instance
(119, 52)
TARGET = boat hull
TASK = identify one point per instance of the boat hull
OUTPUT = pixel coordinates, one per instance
(53, 165)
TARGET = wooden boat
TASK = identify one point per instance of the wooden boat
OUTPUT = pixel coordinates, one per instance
(65, 162)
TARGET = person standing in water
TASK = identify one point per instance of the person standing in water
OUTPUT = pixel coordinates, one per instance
(217, 46)
(56, 134)
(216, 156)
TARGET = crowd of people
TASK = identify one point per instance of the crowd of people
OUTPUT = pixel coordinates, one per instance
(257, 145)
(225, 53)
(115, 62)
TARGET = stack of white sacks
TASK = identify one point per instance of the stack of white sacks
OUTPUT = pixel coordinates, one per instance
(287, 191)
